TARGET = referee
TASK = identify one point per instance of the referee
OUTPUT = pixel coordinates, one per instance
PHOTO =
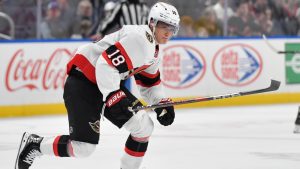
(126, 12)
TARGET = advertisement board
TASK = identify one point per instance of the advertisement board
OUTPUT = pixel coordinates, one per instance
(33, 73)
(292, 64)
(209, 67)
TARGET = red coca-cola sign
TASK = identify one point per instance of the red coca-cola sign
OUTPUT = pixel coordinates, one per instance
(35, 72)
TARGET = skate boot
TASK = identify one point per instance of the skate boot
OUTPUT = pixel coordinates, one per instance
(29, 149)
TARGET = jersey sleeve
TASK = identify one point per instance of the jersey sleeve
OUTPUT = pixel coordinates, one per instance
(142, 50)
(123, 57)
(107, 77)
(150, 85)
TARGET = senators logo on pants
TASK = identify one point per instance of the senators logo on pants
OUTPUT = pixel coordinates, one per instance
(95, 126)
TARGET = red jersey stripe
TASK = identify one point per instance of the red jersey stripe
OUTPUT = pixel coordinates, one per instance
(55, 146)
(134, 153)
(124, 53)
(138, 82)
(150, 75)
(105, 56)
(84, 65)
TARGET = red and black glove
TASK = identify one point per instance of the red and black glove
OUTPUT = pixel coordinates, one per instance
(117, 103)
(165, 115)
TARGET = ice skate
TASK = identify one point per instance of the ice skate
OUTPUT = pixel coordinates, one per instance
(29, 149)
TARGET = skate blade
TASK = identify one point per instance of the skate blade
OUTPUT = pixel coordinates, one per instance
(21, 147)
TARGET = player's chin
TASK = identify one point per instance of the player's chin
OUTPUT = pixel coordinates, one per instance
(163, 41)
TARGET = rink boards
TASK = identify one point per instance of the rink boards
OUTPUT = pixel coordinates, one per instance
(33, 72)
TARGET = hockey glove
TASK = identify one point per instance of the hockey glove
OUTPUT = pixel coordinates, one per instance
(165, 115)
(117, 103)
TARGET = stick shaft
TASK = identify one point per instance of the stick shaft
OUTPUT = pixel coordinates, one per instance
(276, 50)
(273, 86)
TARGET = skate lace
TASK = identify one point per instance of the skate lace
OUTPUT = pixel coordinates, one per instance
(31, 156)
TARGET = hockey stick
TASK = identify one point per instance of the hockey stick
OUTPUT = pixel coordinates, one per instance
(276, 50)
(273, 86)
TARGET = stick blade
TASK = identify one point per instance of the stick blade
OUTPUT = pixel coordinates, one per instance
(275, 84)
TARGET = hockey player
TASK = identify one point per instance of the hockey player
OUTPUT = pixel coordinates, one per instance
(94, 88)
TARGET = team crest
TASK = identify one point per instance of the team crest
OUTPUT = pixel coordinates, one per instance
(149, 37)
(95, 126)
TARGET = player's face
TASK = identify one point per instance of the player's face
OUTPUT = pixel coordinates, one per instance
(163, 32)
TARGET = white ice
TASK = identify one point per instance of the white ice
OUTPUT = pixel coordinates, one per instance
(250, 137)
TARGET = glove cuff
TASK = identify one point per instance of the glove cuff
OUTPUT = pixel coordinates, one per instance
(115, 97)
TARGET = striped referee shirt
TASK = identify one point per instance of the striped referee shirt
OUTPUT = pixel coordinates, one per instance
(126, 12)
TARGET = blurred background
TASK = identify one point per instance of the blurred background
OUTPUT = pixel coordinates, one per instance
(219, 49)
(25, 19)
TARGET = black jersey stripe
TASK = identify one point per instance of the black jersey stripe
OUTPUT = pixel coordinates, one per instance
(147, 80)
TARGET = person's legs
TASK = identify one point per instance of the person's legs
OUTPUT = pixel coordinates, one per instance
(140, 127)
(83, 101)
(63, 146)
(29, 149)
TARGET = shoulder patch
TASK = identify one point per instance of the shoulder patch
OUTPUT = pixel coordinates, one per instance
(149, 37)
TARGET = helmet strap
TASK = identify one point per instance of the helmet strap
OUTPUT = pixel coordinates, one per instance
(152, 25)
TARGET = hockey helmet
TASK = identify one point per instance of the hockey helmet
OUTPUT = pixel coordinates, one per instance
(165, 13)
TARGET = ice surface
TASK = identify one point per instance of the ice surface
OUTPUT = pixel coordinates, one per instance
(251, 137)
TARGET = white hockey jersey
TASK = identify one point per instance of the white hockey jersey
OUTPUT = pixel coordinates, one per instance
(130, 51)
